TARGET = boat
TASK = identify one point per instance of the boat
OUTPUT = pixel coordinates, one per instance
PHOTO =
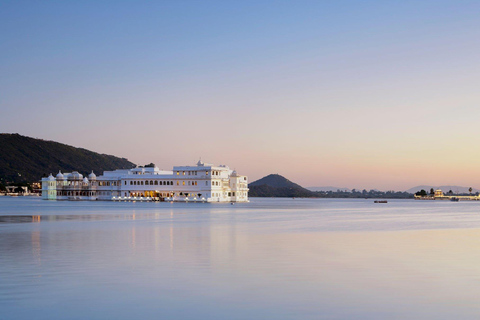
(455, 199)
(380, 201)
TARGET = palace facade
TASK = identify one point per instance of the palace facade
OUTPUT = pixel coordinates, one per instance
(203, 183)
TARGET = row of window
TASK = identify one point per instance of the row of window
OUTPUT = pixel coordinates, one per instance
(142, 194)
(190, 183)
(229, 194)
(194, 173)
(76, 193)
(151, 183)
(108, 183)
(190, 173)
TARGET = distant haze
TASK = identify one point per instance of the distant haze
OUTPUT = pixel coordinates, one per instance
(375, 94)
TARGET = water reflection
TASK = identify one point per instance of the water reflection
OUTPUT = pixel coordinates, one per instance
(4, 219)
(258, 265)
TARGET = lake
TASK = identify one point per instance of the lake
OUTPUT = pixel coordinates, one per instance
(267, 259)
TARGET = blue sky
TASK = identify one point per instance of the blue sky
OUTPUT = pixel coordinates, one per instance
(374, 94)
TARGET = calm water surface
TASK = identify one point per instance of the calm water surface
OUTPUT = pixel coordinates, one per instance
(268, 259)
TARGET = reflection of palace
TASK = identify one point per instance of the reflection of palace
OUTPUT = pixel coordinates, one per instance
(203, 182)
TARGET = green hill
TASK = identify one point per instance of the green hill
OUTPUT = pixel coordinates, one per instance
(275, 185)
(25, 159)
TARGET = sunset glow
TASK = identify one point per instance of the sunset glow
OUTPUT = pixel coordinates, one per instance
(351, 94)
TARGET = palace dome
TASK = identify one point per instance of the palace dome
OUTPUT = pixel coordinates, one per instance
(51, 178)
(60, 176)
(85, 180)
(92, 176)
(75, 176)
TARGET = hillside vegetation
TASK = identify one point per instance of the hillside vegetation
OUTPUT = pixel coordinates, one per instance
(275, 185)
(25, 159)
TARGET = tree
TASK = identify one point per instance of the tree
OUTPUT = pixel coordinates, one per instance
(19, 190)
(450, 192)
(421, 193)
(470, 190)
(432, 192)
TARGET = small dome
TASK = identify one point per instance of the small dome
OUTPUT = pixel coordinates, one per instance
(60, 175)
(85, 180)
(75, 176)
(51, 178)
(92, 176)
(200, 163)
(234, 173)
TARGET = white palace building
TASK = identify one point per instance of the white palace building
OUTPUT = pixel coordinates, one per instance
(202, 183)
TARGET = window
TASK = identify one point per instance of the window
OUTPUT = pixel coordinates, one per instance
(233, 194)
(206, 172)
(206, 183)
(188, 172)
(178, 173)
(183, 182)
(183, 172)
(188, 182)
(178, 183)
(156, 182)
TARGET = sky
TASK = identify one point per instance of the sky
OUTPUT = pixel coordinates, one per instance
(356, 94)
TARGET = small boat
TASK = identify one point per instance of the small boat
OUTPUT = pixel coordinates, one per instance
(380, 201)
(454, 199)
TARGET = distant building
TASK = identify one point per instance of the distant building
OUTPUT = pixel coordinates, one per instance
(439, 195)
(14, 189)
(203, 182)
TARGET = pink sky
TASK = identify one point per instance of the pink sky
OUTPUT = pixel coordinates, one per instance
(370, 95)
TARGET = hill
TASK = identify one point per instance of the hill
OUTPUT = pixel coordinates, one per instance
(275, 185)
(25, 159)
(328, 188)
(445, 189)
